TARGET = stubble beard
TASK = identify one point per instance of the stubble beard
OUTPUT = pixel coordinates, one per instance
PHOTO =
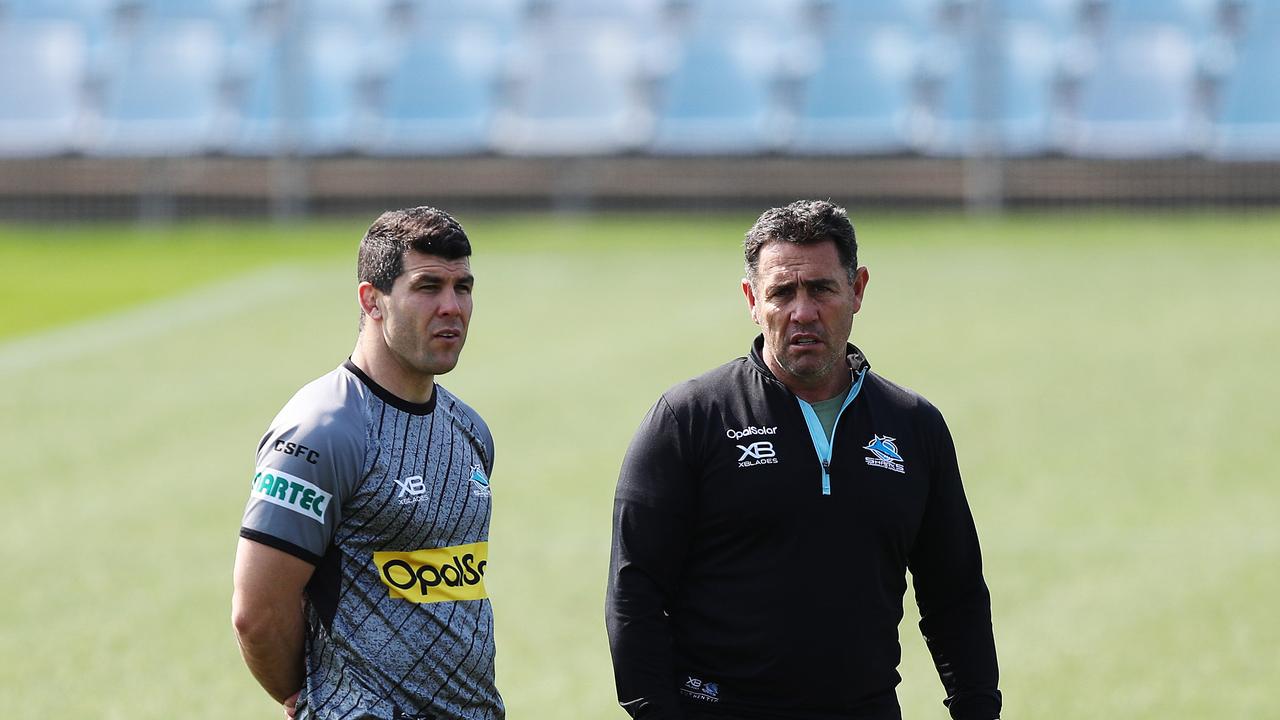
(422, 360)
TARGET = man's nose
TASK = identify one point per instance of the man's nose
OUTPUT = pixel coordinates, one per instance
(804, 310)
(449, 304)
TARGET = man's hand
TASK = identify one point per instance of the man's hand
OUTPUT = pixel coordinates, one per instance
(291, 705)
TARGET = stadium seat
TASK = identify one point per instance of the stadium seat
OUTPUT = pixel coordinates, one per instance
(712, 16)
(102, 22)
(841, 20)
(1261, 14)
(91, 15)
(163, 93)
(311, 100)
(720, 98)
(212, 10)
(503, 19)
(1060, 19)
(853, 14)
(370, 18)
(1197, 18)
(40, 107)
(1022, 115)
(1248, 126)
(860, 99)
(1140, 100)
(438, 95)
(576, 93)
(644, 13)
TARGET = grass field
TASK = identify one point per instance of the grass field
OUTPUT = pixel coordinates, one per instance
(1110, 380)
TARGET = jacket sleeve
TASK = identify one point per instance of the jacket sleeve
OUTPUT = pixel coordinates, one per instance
(955, 605)
(650, 537)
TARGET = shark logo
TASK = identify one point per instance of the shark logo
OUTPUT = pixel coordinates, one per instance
(884, 450)
(479, 483)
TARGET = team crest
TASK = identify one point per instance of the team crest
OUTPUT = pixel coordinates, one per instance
(884, 454)
(479, 481)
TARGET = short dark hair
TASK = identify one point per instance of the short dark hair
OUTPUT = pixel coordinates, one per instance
(803, 222)
(395, 232)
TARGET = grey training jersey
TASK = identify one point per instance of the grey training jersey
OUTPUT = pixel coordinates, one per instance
(390, 501)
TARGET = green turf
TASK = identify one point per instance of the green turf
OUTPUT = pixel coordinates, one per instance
(1109, 380)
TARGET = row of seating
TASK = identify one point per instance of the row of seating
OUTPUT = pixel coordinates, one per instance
(102, 18)
(580, 83)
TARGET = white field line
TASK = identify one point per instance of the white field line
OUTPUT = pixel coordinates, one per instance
(137, 323)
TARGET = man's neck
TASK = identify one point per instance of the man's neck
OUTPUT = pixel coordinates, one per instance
(389, 372)
(835, 383)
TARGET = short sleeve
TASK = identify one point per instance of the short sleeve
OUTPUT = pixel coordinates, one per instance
(308, 462)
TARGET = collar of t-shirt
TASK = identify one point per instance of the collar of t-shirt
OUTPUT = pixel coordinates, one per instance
(828, 410)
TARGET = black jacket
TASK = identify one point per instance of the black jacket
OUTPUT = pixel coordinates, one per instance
(738, 587)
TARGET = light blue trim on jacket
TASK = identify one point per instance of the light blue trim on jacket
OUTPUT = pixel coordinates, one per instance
(821, 443)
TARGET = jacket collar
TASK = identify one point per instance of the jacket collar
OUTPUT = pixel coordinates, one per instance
(853, 356)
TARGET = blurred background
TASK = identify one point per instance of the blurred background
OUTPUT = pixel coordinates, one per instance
(170, 108)
(1070, 210)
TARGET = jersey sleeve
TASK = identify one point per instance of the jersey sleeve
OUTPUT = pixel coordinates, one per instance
(308, 463)
(650, 539)
(954, 602)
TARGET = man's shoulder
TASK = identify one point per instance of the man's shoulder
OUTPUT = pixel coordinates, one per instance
(714, 383)
(898, 397)
(466, 418)
(460, 410)
(333, 403)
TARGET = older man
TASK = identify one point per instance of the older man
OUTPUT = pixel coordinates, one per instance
(768, 510)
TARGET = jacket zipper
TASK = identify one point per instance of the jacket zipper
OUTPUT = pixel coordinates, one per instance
(824, 447)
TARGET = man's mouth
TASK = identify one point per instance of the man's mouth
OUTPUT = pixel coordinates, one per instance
(805, 340)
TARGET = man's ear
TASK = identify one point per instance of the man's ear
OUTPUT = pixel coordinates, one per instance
(860, 280)
(750, 294)
(370, 299)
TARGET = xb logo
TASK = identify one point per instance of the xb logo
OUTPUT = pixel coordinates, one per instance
(756, 450)
(412, 485)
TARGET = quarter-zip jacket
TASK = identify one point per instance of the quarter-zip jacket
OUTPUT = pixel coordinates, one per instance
(750, 581)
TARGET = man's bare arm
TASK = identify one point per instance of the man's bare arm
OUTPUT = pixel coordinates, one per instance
(266, 612)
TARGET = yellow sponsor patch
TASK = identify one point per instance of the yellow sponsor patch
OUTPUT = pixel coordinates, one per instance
(427, 576)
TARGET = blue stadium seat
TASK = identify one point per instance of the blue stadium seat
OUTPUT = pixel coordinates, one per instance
(712, 16)
(576, 93)
(88, 13)
(718, 100)
(1197, 18)
(1059, 18)
(504, 19)
(1248, 126)
(438, 95)
(644, 13)
(219, 11)
(841, 20)
(100, 21)
(321, 108)
(860, 99)
(1022, 115)
(163, 93)
(1140, 100)
(371, 18)
(40, 107)
(1264, 14)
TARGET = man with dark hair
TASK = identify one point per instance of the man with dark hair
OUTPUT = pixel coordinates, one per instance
(359, 576)
(768, 510)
